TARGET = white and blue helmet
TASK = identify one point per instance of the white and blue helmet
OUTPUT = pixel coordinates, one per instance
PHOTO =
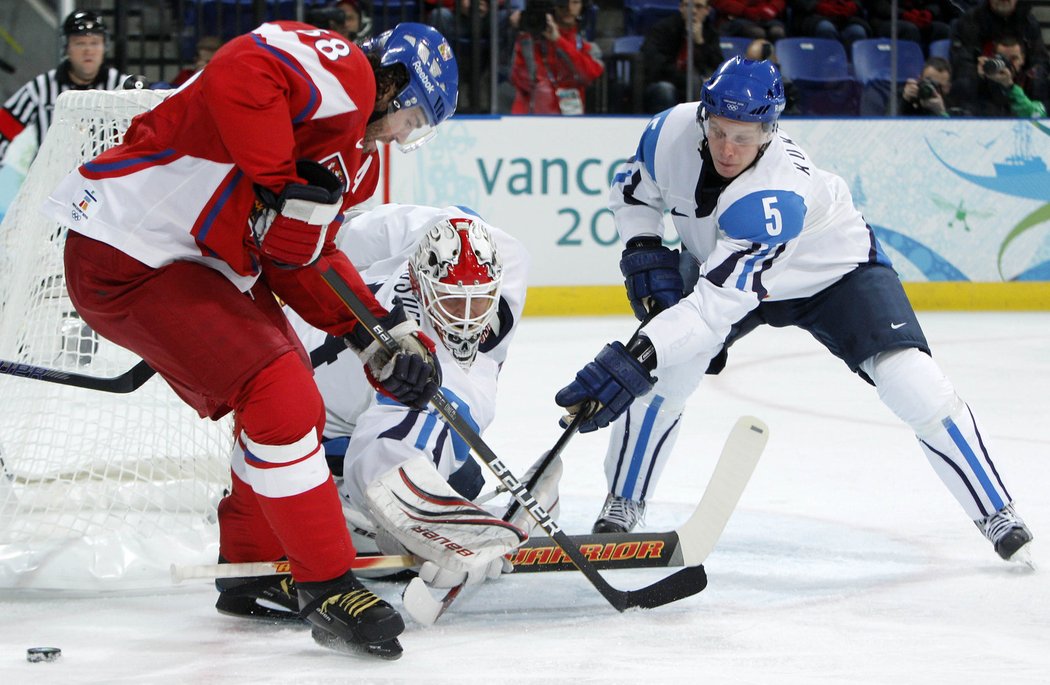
(433, 75)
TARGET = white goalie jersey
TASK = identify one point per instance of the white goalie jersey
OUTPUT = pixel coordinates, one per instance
(384, 433)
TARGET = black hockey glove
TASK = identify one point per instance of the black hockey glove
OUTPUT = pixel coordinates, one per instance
(651, 275)
(291, 227)
(411, 376)
(616, 377)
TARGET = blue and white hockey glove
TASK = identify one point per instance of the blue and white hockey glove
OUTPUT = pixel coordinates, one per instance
(612, 381)
(651, 274)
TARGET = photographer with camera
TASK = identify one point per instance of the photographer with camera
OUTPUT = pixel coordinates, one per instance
(975, 34)
(928, 95)
(553, 64)
(1001, 90)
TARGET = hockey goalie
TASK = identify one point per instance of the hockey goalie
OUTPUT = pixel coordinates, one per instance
(408, 481)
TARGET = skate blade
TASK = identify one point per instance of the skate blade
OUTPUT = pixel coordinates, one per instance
(1023, 556)
(389, 649)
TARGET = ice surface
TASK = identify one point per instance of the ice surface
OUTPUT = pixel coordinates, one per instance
(847, 561)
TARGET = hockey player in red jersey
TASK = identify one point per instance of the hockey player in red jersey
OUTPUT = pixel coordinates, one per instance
(222, 198)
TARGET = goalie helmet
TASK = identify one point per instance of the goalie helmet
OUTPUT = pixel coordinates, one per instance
(457, 274)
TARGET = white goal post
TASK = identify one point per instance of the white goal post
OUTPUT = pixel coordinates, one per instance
(98, 491)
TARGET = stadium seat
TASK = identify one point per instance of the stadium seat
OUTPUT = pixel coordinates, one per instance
(639, 15)
(819, 69)
(872, 59)
(941, 48)
(733, 45)
(623, 68)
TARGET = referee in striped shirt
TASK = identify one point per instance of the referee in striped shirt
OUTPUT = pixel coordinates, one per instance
(84, 39)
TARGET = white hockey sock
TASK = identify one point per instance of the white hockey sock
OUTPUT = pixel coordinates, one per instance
(913, 386)
(640, 443)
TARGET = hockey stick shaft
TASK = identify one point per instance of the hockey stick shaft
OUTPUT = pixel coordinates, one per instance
(129, 381)
(684, 583)
(270, 568)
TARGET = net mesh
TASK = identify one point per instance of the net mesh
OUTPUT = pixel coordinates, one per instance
(97, 490)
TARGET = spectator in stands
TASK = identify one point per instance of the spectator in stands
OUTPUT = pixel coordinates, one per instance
(553, 64)
(928, 95)
(761, 49)
(454, 19)
(751, 18)
(84, 39)
(206, 48)
(356, 24)
(920, 21)
(664, 55)
(841, 20)
(1004, 86)
(974, 35)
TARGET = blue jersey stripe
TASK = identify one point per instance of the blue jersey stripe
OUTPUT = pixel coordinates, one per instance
(97, 168)
(314, 95)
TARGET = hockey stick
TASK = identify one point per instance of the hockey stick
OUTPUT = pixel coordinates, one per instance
(271, 568)
(687, 545)
(683, 583)
(423, 607)
(129, 381)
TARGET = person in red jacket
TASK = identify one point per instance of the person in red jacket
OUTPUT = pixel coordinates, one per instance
(224, 198)
(751, 18)
(841, 20)
(553, 65)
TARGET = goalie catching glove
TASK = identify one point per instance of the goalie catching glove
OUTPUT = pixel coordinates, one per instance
(411, 376)
(291, 227)
(460, 541)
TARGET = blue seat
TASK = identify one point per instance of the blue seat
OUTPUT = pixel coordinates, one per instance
(872, 60)
(941, 48)
(812, 59)
(623, 68)
(819, 69)
(639, 15)
(733, 45)
(386, 14)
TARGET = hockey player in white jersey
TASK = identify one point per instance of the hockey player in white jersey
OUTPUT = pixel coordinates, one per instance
(407, 479)
(768, 238)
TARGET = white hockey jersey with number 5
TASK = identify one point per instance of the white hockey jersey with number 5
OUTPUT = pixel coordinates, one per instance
(782, 229)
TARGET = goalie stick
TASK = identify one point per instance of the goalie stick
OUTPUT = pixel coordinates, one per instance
(129, 381)
(683, 583)
(687, 545)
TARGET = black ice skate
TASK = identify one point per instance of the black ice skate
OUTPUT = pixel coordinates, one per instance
(1009, 534)
(619, 515)
(347, 617)
(264, 598)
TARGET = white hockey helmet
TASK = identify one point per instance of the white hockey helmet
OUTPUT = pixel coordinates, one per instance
(457, 275)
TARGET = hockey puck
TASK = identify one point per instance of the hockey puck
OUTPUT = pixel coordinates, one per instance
(35, 654)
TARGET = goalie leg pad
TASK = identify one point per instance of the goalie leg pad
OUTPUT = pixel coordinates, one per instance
(416, 506)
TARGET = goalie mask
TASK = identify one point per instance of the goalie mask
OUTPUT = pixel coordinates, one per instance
(457, 274)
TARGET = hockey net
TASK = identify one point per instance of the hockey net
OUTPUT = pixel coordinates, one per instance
(98, 491)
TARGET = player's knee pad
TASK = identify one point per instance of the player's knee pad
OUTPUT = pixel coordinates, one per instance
(639, 444)
(913, 386)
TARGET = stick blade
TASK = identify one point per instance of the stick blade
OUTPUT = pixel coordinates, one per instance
(679, 585)
(699, 535)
